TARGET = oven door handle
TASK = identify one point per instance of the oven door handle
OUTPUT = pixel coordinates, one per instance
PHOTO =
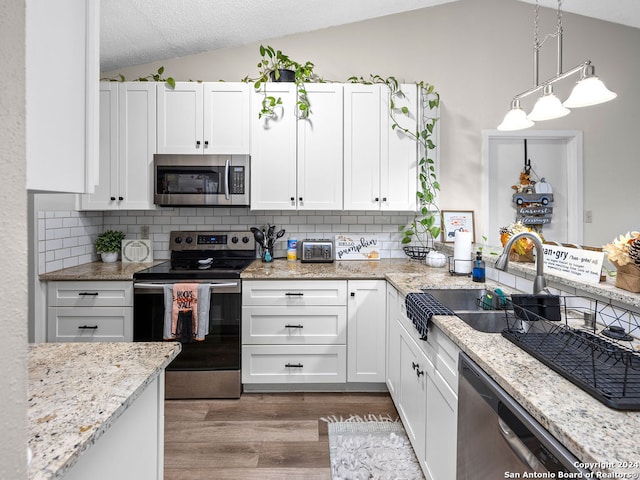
(226, 179)
(157, 285)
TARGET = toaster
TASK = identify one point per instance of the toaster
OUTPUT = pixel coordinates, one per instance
(316, 251)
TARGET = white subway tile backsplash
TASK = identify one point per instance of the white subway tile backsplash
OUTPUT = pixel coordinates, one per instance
(67, 237)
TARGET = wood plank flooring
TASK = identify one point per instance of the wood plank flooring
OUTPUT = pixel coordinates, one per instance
(261, 436)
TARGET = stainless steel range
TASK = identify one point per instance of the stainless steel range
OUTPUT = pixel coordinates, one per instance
(207, 368)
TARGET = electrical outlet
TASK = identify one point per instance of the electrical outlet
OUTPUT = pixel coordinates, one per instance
(588, 216)
(144, 232)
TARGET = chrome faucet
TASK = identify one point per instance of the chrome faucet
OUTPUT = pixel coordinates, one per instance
(540, 282)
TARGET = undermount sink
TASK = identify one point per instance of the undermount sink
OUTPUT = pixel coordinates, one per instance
(474, 306)
(493, 321)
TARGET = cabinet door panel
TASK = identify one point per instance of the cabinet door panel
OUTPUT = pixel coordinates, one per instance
(226, 118)
(273, 151)
(366, 330)
(398, 167)
(393, 343)
(320, 150)
(179, 125)
(100, 324)
(362, 104)
(441, 432)
(136, 144)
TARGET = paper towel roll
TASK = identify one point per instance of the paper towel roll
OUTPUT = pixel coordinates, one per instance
(462, 261)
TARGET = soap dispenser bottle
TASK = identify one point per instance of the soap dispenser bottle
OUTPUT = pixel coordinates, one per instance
(478, 272)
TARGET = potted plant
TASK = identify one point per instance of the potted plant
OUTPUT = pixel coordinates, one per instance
(108, 245)
(276, 66)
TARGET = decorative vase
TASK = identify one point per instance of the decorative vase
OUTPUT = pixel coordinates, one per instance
(628, 277)
(109, 257)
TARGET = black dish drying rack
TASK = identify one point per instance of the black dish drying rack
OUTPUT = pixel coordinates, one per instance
(593, 344)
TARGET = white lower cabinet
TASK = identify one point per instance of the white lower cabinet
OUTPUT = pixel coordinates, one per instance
(422, 378)
(91, 311)
(294, 331)
(313, 331)
(366, 331)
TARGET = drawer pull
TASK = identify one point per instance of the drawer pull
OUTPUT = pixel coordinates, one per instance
(294, 365)
(414, 365)
(88, 294)
(88, 327)
(419, 372)
(294, 294)
(293, 326)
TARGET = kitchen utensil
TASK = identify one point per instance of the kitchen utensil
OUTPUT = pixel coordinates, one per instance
(259, 236)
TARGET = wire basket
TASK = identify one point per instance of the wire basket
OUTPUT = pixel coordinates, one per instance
(593, 344)
(416, 253)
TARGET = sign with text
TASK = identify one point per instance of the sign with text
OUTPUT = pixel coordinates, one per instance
(573, 263)
(357, 248)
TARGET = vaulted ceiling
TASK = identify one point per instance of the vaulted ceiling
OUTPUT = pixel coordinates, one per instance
(136, 32)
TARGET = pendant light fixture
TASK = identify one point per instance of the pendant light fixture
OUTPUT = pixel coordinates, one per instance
(589, 90)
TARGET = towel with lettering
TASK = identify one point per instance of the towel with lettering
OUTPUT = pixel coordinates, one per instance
(186, 312)
(420, 308)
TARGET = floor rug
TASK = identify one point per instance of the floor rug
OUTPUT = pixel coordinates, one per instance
(362, 449)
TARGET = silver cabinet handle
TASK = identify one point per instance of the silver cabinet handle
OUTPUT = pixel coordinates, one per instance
(519, 448)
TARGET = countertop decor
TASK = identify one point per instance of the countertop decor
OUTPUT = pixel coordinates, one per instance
(78, 390)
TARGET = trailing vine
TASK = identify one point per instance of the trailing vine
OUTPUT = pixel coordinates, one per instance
(153, 77)
(424, 226)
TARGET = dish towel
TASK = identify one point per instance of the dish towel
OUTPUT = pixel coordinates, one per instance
(186, 311)
(420, 308)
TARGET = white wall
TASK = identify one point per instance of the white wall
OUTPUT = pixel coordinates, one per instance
(13, 238)
(478, 54)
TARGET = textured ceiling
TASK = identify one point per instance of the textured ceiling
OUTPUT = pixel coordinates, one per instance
(135, 32)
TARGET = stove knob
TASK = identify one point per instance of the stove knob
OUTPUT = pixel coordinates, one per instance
(245, 239)
(234, 239)
(178, 239)
(189, 240)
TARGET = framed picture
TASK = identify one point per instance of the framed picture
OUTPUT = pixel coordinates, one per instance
(456, 220)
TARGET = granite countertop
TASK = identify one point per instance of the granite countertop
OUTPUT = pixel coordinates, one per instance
(99, 271)
(78, 390)
(593, 432)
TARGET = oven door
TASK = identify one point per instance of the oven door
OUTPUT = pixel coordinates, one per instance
(201, 180)
(203, 369)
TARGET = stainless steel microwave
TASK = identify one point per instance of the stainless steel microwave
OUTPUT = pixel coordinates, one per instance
(201, 180)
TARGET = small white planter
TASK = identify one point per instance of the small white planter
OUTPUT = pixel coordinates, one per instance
(109, 257)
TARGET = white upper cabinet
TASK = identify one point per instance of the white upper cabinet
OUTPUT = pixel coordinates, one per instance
(320, 154)
(62, 72)
(273, 150)
(127, 145)
(203, 118)
(297, 162)
(380, 163)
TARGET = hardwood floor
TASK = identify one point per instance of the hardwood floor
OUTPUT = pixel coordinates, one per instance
(260, 436)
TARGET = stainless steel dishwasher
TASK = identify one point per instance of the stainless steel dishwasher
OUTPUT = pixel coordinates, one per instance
(497, 437)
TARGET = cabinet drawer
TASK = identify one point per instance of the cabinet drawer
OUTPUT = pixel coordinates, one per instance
(294, 364)
(444, 355)
(90, 294)
(299, 293)
(294, 325)
(100, 324)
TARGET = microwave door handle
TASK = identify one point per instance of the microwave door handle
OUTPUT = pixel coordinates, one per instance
(226, 179)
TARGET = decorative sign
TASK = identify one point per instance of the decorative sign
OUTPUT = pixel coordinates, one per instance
(362, 248)
(573, 263)
(136, 251)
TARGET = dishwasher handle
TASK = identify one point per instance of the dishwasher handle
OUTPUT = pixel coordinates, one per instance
(518, 447)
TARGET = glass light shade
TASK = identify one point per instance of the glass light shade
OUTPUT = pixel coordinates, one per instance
(548, 107)
(515, 119)
(589, 91)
